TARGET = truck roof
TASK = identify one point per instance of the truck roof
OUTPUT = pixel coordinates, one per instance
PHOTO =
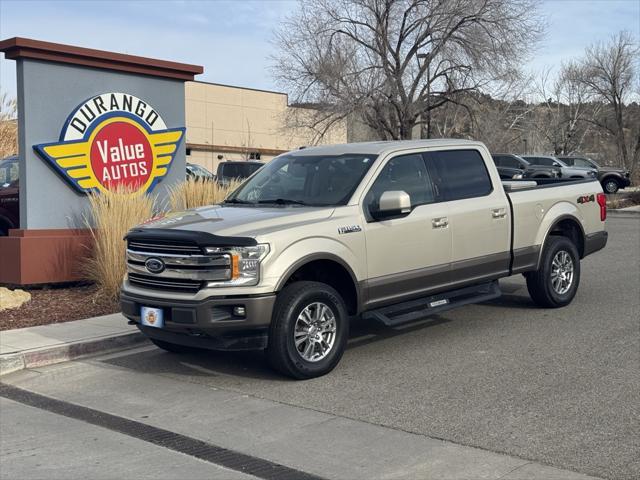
(376, 148)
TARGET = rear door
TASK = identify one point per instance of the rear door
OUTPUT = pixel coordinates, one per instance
(479, 215)
(409, 255)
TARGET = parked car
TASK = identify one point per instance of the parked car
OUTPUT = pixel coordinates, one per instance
(512, 166)
(9, 207)
(196, 172)
(611, 178)
(565, 170)
(236, 170)
(391, 231)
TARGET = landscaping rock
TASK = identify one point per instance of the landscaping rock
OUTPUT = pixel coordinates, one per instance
(12, 298)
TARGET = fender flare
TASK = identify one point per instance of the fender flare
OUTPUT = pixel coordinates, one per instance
(555, 223)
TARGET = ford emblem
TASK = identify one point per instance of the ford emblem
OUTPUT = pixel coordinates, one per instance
(154, 265)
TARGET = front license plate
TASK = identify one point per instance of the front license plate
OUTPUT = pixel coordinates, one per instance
(152, 317)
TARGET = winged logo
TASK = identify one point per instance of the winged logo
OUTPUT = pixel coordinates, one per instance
(112, 140)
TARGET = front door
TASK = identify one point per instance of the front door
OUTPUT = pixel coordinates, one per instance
(407, 256)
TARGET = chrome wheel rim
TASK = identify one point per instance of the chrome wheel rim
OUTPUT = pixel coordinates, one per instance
(315, 332)
(562, 272)
(611, 187)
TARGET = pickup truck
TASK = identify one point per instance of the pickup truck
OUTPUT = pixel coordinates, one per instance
(611, 178)
(565, 170)
(390, 231)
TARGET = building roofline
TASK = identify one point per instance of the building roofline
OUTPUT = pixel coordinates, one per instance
(17, 48)
(242, 88)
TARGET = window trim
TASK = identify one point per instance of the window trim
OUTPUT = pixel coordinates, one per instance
(441, 188)
(365, 208)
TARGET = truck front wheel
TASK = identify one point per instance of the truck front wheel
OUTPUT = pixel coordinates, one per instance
(309, 330)
(556, 282)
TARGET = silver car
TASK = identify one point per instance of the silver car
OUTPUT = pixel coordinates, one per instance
(565, 170)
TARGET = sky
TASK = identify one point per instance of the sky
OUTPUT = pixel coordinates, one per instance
(232, 39)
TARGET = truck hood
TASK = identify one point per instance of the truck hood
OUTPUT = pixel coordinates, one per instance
(613, 169)
(241, 221)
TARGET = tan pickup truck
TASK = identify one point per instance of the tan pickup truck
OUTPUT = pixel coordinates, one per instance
(390, 231)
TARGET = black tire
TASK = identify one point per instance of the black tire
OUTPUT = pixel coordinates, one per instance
(173, 347)
(539, 283)
(282, 352)
(610, 185)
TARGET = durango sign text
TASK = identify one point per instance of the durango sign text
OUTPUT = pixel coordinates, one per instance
(113, 139)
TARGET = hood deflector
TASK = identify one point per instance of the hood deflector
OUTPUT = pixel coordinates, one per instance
(201, 239)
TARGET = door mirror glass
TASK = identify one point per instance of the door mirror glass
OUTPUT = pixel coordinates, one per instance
(393, 203)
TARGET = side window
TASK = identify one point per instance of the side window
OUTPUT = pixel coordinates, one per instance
(461, 174)
(582, 163)
(407, 173)
(498, 160)
(544, 161)
(511, 162)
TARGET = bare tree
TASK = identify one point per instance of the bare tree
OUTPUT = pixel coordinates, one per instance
(392, 62)
(564, 116)
(8, 126)
(609, 71)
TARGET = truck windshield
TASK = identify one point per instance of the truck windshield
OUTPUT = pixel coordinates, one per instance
(305, 180)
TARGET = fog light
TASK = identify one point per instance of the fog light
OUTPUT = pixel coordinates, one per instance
(239, 311)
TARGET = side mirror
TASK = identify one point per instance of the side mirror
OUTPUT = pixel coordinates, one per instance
(393, 203)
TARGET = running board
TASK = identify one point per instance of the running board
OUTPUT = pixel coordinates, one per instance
(412, 310)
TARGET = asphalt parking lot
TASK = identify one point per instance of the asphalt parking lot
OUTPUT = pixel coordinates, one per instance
(558, 387)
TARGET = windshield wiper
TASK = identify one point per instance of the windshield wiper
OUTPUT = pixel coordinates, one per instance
(282, 201)
(238, 201)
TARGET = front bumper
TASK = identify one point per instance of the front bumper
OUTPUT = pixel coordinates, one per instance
(208, 323)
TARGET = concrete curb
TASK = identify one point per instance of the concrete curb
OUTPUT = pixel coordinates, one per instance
(12, 362)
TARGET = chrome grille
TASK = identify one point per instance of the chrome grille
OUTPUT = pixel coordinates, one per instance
(186, 267)
(148, 281)
(161, 246)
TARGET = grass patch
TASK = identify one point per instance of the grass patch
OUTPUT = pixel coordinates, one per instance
(114, 213)
(198, 193)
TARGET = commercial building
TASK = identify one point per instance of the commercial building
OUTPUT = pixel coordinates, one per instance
(234, 123)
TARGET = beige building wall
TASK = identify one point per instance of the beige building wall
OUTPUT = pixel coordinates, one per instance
(233, 122)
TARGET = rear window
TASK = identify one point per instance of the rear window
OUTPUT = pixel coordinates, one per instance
(541, 161)
(461, 174)
(239, 170)
(8, 171)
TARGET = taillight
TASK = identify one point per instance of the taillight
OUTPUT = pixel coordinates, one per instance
(602, 201)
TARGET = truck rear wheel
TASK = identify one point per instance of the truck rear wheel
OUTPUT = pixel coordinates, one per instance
(556, 282)
(309, 330)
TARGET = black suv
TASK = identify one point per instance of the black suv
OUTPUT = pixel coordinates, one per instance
(611, 178)
(512, 166)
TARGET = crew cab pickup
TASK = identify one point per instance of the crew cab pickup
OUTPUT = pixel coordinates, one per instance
(390, 231)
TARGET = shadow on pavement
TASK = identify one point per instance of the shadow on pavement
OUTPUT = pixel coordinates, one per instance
(253, 364)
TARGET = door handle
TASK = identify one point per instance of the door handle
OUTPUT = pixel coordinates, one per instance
(441, 222)
(498, 213)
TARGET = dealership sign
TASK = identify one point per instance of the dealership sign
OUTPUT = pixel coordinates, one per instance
(111, 140)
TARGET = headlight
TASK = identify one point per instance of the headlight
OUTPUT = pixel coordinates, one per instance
(517, 176)
(244, 264)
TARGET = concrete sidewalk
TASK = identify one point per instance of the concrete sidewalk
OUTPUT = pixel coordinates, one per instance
(46, 344)
(329, 446)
